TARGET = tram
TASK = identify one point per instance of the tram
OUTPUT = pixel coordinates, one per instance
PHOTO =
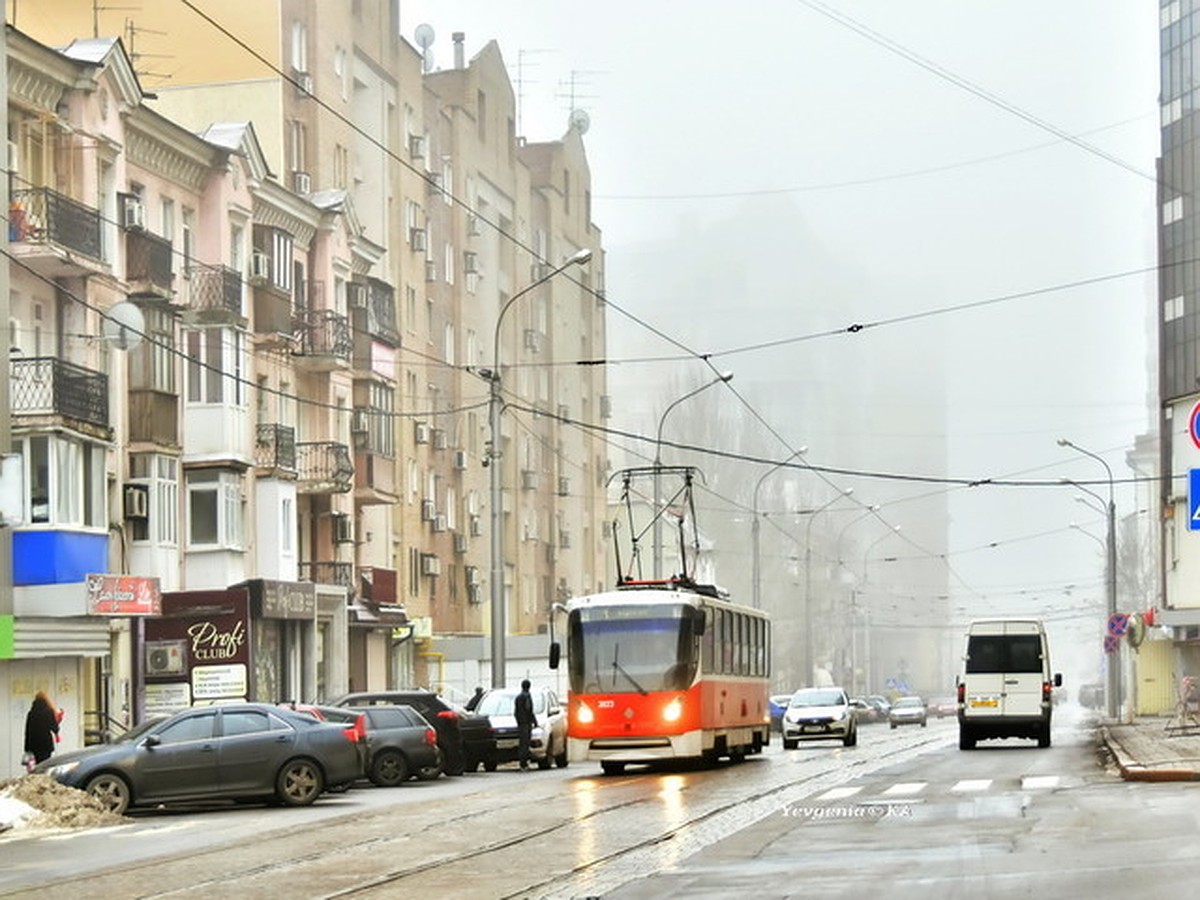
(665, 669)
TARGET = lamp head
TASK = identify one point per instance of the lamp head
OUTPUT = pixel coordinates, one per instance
(726, 376)
(1063, 442)
(581, 256)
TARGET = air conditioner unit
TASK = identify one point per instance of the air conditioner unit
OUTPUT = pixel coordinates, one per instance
(421, 433)
(564, 486)
(301, 183)
(430, 270)
(134, 218)
(260, 267)
(533, 340)
(428, 510)
(460, 542)
(470, 262)
(137, 501)
(430, 564)
(439, 439)
(166, 657)
(416, 146)
(343, 529)
(529, 479)
(460, 459)
(439, 524)
(418, 239)
(472, 576)
(473, 226)
(475, 526)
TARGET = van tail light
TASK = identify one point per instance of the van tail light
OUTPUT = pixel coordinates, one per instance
(448, 714)
(1046, 687)
(357, 733)
(430, 737)
(962, 692)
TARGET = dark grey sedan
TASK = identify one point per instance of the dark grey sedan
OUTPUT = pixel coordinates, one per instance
(238, 751)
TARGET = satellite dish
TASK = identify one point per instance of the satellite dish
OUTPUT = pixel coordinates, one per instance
(424, 35)
(124, 325)
(579, 120)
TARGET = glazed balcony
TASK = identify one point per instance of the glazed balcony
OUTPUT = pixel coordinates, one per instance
(54, 392)
(275, 450)
(148, 266)
(323, 467)
(54, 235)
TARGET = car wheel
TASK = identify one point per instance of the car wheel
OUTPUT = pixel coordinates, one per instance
(893, 726)
(966, 740)
(389, 768)
(544, 762)
(851, 738)
(1044, 736)
(737, 754)
(112, 791)
(924, 722)
(299, 783)
(790, 744)
(561, 759)
(609, 767)
(489, 765)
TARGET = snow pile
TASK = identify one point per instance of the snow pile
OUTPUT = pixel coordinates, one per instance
(38, 801)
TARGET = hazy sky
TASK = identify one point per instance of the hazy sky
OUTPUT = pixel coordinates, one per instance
(942, 153)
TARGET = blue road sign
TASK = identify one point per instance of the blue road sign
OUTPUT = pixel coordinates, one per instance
(1193, 499)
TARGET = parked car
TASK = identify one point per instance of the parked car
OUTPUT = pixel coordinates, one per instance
(882, 705)
(777, 704)
(237, 751)
(819, 714)
(548, 742)
(943, 707)
(865, 712)
(398, 742)
(908, 711)
(465, 739)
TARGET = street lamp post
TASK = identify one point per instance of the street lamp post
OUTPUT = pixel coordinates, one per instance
(658, 549)
(496, 484)
(1114, 675)
(808, 617)
(754, 526)
(868, 668)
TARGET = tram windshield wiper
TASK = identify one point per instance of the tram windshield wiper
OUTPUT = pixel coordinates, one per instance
(617, 667)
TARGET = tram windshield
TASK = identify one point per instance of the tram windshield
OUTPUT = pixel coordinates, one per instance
(632, 649)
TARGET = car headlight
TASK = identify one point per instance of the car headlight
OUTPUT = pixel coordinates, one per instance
(61, 771)
(839, 715)
(672, 711)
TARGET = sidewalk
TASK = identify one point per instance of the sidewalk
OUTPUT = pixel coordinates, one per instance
(1145, 750)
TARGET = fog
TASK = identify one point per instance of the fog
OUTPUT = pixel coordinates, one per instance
(973, 184)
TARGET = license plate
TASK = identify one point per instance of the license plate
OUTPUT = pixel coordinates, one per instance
(977, 702)
(506, 745)
(813, 729)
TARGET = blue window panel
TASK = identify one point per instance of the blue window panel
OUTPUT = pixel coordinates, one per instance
(57, 557)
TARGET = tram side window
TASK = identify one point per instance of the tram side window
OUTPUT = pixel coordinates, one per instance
(741, 644)
(708, 643)
(726, 642)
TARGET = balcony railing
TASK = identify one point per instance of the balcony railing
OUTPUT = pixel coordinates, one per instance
(48, 386)
(339, 573)
(215, 289)
(324, 467)
(148, 262)
(44, 216)
(323, 332)
(275, 447)
(381, 310)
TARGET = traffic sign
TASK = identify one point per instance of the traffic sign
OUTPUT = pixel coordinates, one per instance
(1194, 425)
(1193, 499)
(1118, 624)
(1111, 643)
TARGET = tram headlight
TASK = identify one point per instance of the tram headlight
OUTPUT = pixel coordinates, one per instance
(672, 711)
(584, 714)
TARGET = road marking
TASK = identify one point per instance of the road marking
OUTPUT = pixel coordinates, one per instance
(1033, 782)
(972, 784)
(905, 789)
(840, 793)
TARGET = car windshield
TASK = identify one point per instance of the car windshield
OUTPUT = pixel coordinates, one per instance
(500, 703)
(908, 703)
(818, 698)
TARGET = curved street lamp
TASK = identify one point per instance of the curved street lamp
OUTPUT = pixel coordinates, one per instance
(1114, 674)
(496, 485)
(756, 575)
(724, 377)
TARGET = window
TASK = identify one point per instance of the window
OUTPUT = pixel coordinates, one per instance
(214, 509)
(297, 141)
(152, 362)
(65, 481)
(287, 525)
(244, 722)
(278, 245)
(211, 353)
(1173, 309)
(167, 217)
(188, 240)
(194, 728)
(299, 47)
(481, 115)
(161, 475)
(381, 430)
(1172, 211)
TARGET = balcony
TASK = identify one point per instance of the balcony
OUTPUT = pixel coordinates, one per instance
(154, 417)
(339, 573)
(323, 340)
(54, 235)
(323, 467)
(214, 294)
(60, 393)
(148, 269)
(275, 450)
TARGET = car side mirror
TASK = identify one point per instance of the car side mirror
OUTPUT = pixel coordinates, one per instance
(555, 654)
(152, 741)
(1058, 679)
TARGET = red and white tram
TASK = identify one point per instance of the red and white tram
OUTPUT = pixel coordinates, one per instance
(666, 670)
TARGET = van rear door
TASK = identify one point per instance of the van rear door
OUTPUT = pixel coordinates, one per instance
(1024, 669)
(983, 681)
(1004, 670)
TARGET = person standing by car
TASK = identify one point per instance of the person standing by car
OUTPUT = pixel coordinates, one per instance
(41, 727)
(475, 698)
(523, 713)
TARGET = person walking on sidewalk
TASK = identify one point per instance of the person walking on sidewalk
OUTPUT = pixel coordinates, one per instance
(41, 727)
(523, 711)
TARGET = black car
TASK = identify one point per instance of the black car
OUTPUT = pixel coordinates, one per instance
(398, 742)
(238, 751)
(465, 739)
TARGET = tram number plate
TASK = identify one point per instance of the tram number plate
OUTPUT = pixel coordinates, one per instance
(977, 702)
(506, 745)
(813, 729)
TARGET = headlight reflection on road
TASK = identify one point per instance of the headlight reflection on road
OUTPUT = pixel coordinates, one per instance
(674, 813)
(583, 798)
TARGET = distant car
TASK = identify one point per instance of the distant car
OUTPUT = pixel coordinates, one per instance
(237, 751)
(548, 742)
(882, 705)
(819, 713)
(777, 704)
(943, 707)
(465, 739)
(865, 712)
(908, 711)
(398, 743)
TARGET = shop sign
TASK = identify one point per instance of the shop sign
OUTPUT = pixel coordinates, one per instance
(123, 595)
(219, 682)
(288, 600)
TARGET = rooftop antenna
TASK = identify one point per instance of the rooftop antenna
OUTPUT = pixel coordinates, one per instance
(521, 81)
(424, 36)
(132, 31)
(97, 8)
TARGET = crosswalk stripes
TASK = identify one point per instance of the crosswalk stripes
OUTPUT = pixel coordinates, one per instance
(971, 785)
(917, 789)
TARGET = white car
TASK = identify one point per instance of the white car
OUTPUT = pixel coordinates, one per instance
(815, 714)
(547, 743)
(908, 711)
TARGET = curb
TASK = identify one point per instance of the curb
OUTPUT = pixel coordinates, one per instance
(1132, 770)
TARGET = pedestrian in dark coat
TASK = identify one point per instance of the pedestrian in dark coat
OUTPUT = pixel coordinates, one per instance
(473, 703)
(523, 711)
(41, 727)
